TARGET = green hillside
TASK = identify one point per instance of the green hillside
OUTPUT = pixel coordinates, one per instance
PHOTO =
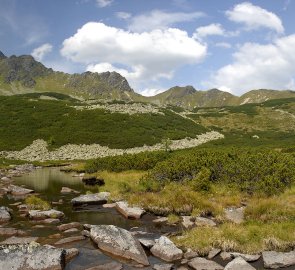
(25, 118)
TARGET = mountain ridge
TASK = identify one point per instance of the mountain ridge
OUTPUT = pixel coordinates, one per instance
(23, 74)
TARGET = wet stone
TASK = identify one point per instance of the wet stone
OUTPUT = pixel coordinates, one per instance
(70, 240)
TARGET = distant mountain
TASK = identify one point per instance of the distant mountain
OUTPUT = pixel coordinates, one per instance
(23, 74)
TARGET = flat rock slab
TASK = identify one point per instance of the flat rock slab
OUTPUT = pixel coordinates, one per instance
(273, 259)
(4, 214)
(95, 199)
(213, 252)
(201, 264)
(31, 257)
(129, 212)
(239, 264)
(70, 240)
(10, 232)
(235, 215)
(39, 215)
(166, 250)
(246, 257)
(107, 266)
(67, 226)
(119, 242)
(18, 191)
(19, 240)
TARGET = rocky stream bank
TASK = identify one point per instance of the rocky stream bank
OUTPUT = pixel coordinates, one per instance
(61, 237)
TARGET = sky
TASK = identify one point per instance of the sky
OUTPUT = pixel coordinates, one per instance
(235, 46)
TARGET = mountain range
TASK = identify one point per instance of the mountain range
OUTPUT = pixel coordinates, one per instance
(23, 74)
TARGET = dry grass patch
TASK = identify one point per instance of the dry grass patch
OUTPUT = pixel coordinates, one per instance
(248, 238)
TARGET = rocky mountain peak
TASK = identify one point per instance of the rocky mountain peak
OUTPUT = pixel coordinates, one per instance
(2, 55)
(115, 80)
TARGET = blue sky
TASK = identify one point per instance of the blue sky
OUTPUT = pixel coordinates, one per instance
(232, 45)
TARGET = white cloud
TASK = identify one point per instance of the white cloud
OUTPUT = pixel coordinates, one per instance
(158, 19)
(40, 52)
(225, 45)
(214, 29)
(149, 92)
(255, 17)
(257, 66)
(123, 15)
(104, 3)
(146, 56)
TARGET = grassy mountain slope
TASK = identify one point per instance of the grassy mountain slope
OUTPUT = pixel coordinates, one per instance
(269, 123)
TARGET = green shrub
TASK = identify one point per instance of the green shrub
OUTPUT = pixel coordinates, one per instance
(141, 161)
(202, 180)
(37, 203)
(252, 171)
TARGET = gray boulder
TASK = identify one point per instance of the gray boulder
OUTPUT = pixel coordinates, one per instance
(4, 214)
(166, 250)
(96, 199)
(273, 259)
(201, 264)
(129, 212)
(31, 257)
(239, 264)
(51, 214)
(119, 242)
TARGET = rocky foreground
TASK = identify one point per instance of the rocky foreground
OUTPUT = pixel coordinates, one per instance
(38, 150)
(127, 248)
